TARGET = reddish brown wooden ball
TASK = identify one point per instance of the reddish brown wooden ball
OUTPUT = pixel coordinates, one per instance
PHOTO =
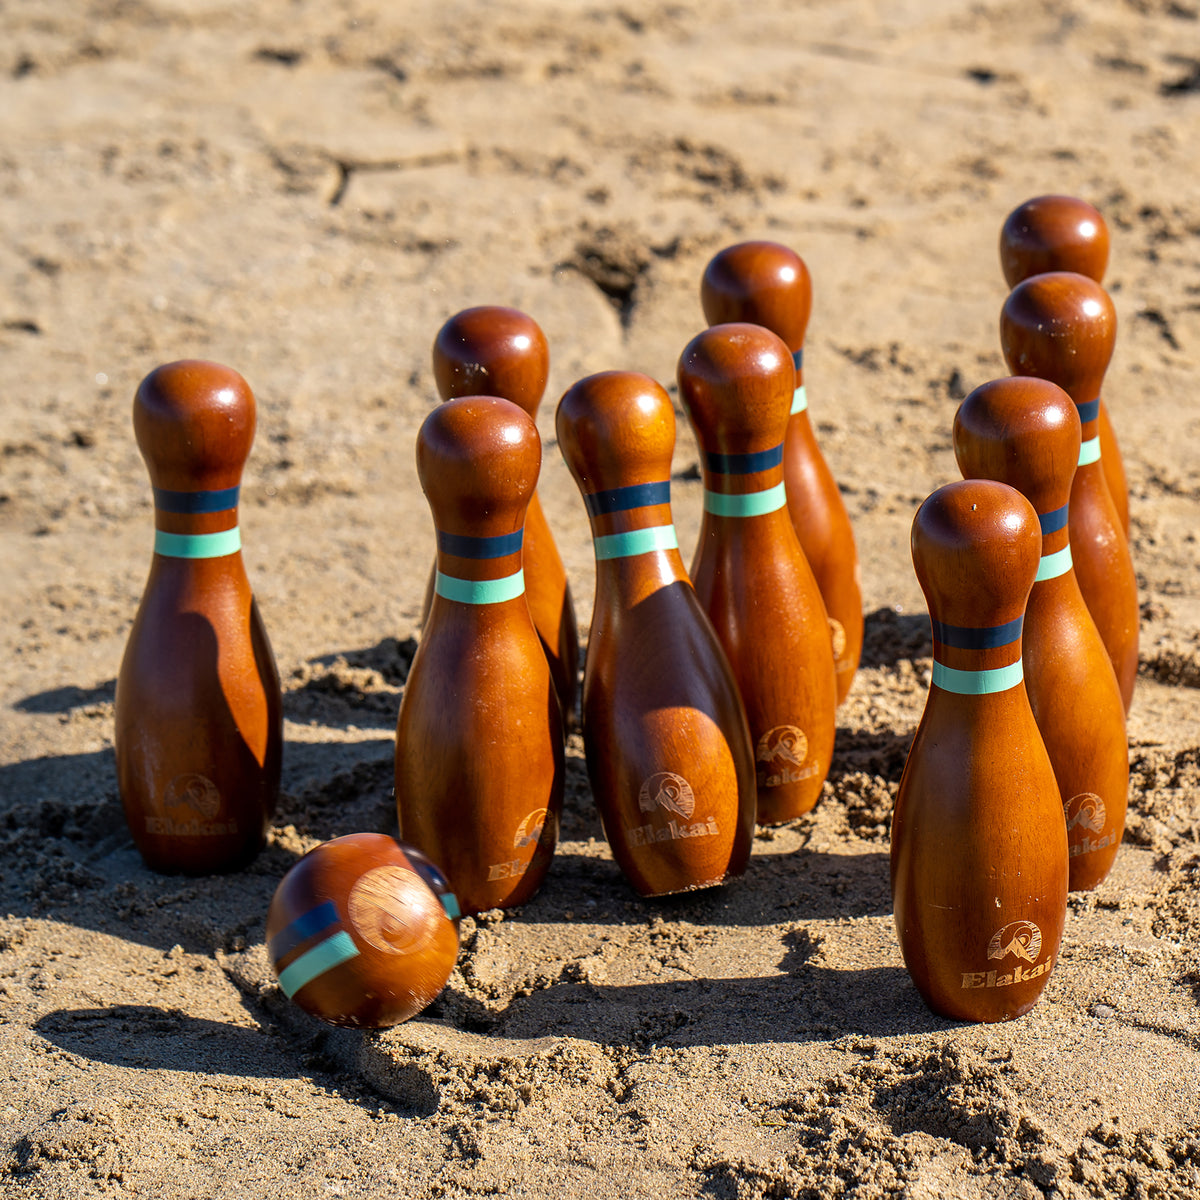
(363, 931)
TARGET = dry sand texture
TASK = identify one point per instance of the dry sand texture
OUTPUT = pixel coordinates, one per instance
(306, 191)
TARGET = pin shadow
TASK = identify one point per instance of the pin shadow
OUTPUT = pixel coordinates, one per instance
(809, 1002)
(64, 699)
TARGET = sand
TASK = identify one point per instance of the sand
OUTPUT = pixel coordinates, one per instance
(306, 191)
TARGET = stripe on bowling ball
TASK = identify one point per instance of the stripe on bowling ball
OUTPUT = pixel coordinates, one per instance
(963, 637)
(196, 502)
(480, 591)
(745, 504)
(635, 541)
(977, 683)
(1088, 411)
(335, 947)
(197, 545)
(622, 499)
(463, 546)
(307, 925)
(744, 464)
(323, 957)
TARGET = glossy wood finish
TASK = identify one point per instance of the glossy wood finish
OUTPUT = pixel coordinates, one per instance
(479, 739)
(1061, 326)
(1062, 233)
(668, 748)
(979, 843)
(750, 574)
(1025, 432)
(199, 726)
(495, 351)
(363, 932)
(767, 284)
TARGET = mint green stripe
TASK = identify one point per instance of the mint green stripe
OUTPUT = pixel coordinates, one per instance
(636, 541)
(481, 591)
(1089, 452)
(799, 399)
(745, 504)
(324, 956)
(977, 683)
(1054, 565)
(197, 545)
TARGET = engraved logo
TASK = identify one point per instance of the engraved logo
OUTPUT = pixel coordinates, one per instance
(195, 792)
(668, 791)
(390, 908)
(537, 827)
(1085, 811)
(786, 742)
(1022, 938)
(838, 632)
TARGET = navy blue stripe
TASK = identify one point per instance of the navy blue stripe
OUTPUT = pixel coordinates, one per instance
(195, 502)
(302, 928)
(1052, 522)
(462, 546)
(798, 358)
(963, 638)
(745, 464)
(638, 495)
(1089, 411)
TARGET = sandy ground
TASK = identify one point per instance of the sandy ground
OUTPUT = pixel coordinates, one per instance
(305, 191)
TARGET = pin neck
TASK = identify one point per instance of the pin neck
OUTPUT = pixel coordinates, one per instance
(480, 591)
(187, 503)
(622, 499)
(463, 546)
(959, 642)
(197, 545)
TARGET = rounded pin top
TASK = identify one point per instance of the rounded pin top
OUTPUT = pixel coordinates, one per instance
(492, 351)
(1060, 326)
(1053, 233)
(976, 545)
(616, 429)
(194, 423)
(1024, 432)
(760, 282)
(736, 382)
(478, 459)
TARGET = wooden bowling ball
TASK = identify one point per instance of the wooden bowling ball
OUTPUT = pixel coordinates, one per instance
(363, 931)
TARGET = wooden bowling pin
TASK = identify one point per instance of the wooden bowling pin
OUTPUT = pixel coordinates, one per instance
(1061, 233)
(750, 574)
(199, 726)
(668, 748)
(1025, 432)
(768, 284)
(363, 932)
(494, 351)
(979, 844)
(1060, 326)
(479, 742)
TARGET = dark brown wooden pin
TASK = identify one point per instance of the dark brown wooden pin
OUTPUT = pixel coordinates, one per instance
(479, 741)
(1025, 432)
(767, 284)
(1062, 233)
(750, 575)
(979, 843)
(199, 726)
(494, 351)
(363, 932)
(1061, 326)
(668, 748)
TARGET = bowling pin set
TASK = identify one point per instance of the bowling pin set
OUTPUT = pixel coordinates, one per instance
(709, 697)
